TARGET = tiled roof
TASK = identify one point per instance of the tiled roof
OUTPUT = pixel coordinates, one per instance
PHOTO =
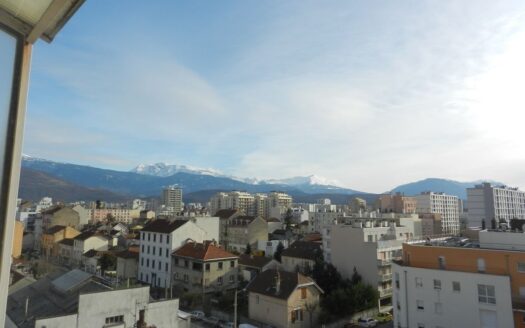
(226, 214)
(273, 220)
(303, 250)
(53, 209)
(266, 283)
(163, 226)
(203, 251)
(254, 261)
(54, 229)
(67, 241)
(87, 234)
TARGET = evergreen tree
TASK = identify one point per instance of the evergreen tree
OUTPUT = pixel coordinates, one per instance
(248, 250)
(278, 252)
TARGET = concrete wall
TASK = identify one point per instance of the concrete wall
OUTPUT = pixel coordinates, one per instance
(459, 309)
(163, 314)
(67, 321)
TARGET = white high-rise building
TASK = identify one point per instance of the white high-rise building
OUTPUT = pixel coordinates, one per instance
(487, 202)
(446, 205)
(172, 199)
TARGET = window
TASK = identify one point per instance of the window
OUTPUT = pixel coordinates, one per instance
(420, 305)
(438, 308)
(456, 287)
(521, 266)
(176, 261)
(147, 263)
(220, 266)
(153, 264)
(148, 249)
(167, 252)
(186, 263)
(154, 237)
(481, 265)
(142, 236)
(176, 275)
(160, 238)
(297, 315)
(153, 250)
(397, 279)
(303, 293)
(167, 239)
(486, 294)
(149, 236)
(115, 319)
(160, 251)
(207, 267)
(166, 266)
(419, 282)
(441, 262)
(437, 284)
(232, 264)
(370, 238)
(142, 248)
(160, 264)
(142, 262)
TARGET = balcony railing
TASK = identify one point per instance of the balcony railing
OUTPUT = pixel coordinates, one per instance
(385, 277)
(384, 262)
(518, 303)
(385, 292)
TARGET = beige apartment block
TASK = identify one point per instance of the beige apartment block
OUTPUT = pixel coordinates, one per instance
(204, 267)
(397, 203)
(284, 299)
(244, 230)
(18, 239)
(53, 235)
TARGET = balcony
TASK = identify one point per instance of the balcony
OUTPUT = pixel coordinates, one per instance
(518, 304)
(385, 292)
(384, 262)
(385, 277)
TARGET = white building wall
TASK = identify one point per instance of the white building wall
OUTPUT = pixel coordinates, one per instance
(459, 309)
(446, 205)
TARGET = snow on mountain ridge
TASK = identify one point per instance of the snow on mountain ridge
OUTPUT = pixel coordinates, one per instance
(165, 170)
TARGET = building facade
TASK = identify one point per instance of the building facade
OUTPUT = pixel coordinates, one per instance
(446, 205)
(171, 198)
(488, 202)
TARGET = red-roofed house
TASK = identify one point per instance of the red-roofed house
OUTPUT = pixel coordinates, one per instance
(204, 267)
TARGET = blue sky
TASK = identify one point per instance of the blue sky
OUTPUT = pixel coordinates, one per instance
(369, 93)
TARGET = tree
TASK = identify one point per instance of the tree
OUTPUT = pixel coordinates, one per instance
(517, 224)
(356, 277)
(107, 262)
(493, 223)
(288, 219)
(278, 252)
(311, 307)
(483, 225)
(248, 250)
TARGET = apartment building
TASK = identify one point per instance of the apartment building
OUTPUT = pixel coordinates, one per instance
(123, 215)
(284, 299)
(278, 203)
(86, 241)
(158, 239)
(301, 256)
(450, 283)
(487, 202)
(448, 206)
(204, 267)
(260, 205)
(116, 308)
(243, 230)
(171, 198)
(369, 247)
(397, 203)
(53, 235)
(431, 224)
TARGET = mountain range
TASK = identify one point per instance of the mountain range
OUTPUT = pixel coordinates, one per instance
(70, 182)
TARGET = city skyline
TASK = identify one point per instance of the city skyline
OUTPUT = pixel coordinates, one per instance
(347, 91)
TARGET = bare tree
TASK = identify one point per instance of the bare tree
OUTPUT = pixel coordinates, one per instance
(311, 307)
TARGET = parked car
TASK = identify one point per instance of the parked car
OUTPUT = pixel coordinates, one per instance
(384, 317)
(367, 322)
(198, 315)
(211, 320)
(225, 324)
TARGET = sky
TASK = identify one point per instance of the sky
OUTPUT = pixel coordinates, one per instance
(371, 94)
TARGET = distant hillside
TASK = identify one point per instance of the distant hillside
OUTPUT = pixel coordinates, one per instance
(142, 185)
(34, 185)
(450, 187)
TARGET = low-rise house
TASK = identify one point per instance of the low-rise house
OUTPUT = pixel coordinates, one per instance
(60, 215)
(301, 256)
(86, 241)
(284, 299)
(53, 235)
(270, 246)
(127, 263)
(204, 267)
(224, 216)
(244, 230)
(90, 262)
(274, 224)
(65, 250)
(250, 266)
